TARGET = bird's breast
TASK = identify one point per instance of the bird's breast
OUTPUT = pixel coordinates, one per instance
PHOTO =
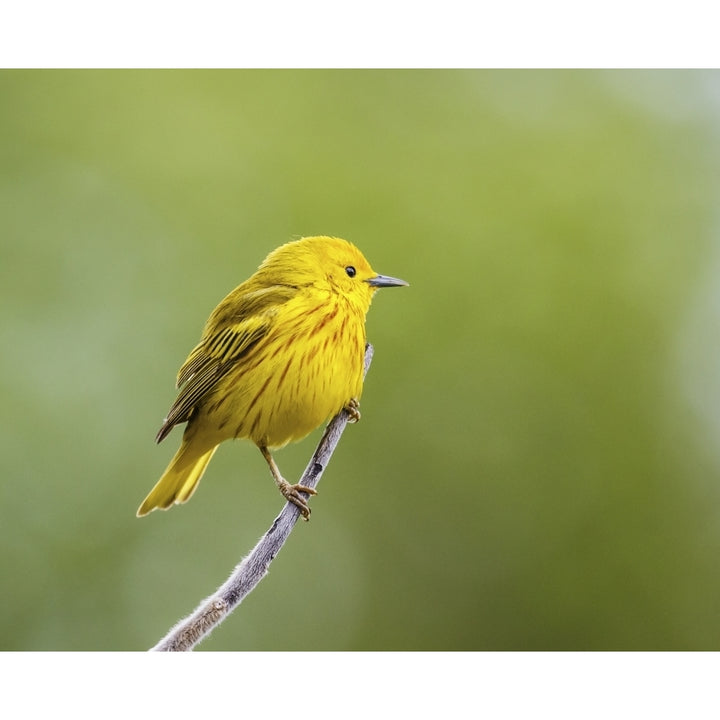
(308, 368)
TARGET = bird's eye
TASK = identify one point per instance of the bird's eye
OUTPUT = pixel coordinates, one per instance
(350, 270)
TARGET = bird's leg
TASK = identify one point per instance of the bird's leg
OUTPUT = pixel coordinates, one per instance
(353, 410)
(289, 492)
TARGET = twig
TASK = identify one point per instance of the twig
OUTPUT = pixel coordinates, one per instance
(253, 568)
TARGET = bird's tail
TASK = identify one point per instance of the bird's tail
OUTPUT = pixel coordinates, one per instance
(179, 480)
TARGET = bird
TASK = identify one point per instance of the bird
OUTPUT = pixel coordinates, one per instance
(280, 355)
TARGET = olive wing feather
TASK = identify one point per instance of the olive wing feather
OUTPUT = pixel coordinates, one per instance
(241, 321)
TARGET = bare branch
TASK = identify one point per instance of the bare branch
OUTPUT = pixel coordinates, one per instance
(253, 568)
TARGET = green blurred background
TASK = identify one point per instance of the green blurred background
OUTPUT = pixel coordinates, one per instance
(537, 467)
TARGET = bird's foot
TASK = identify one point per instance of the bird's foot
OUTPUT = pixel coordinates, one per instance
(353, 410)
(292, 494)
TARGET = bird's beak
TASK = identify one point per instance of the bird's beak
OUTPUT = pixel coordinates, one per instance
(384, 281)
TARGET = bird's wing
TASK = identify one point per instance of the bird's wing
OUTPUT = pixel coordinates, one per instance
(234, 328)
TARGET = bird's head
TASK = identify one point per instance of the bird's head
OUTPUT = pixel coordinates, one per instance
(331, 265)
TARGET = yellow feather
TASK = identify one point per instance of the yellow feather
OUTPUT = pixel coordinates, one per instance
(179, 480)
(280, 355)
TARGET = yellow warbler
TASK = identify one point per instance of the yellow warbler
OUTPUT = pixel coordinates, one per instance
(281, 354)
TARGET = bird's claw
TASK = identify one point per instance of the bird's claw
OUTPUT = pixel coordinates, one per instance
(292, 494)
(353, 410)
